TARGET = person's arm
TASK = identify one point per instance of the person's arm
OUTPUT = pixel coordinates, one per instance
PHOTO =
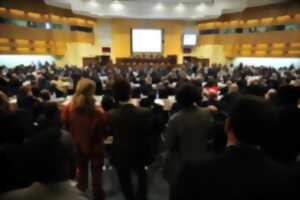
(64, 112)
(101, 126)
(172, 135)
(109, 123)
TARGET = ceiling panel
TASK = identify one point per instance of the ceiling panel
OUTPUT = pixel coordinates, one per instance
(158, 9)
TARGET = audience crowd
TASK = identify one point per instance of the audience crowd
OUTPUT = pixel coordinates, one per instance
(232, 132)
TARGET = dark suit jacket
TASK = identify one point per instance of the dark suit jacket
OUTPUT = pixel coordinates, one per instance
(284, 144)
(240, 173)
(130, 127)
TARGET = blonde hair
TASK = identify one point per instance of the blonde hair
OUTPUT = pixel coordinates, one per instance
(83, 100)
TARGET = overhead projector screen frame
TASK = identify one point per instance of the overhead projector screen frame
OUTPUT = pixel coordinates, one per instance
(147, 52)
(183, 37)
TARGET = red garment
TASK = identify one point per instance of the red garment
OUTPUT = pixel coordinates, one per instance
(212, 89)
(88, 134)
(96, 171)
(88, 131)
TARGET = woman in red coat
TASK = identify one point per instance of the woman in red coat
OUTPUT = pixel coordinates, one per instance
(86, 123)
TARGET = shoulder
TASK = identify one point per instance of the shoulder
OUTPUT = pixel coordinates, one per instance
(66, 107)
(176, 116)
(143, 110)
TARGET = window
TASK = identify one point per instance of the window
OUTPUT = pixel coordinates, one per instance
(82, 29)
(292, 26)
(279, 27)
(256, 29)
(210, 31)
(46, 25)
(261, 29)
(239, 30)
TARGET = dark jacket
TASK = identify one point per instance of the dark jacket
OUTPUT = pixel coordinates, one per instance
(240, 173)
(130, 127)
(187, 136)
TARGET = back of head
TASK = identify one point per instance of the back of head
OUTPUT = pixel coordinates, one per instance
(13, 128)
(233, 88)
(253, 119)
(45, 95)
(289, 95)
(55, 157)
(256, 89)
(107, 102)
(152, 95)
(187, 95)
(36, 91)
(49, 117)
(24, 90)
(83, 100)
(121, 90)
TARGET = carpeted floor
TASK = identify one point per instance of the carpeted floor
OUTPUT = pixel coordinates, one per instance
(157, 186)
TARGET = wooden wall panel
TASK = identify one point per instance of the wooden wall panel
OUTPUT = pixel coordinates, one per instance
(288, 8)
(38, 6)
(292, 36)
(11, 31)
(265, 15)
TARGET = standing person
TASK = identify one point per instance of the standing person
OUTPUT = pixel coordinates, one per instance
(86, 123)
(187, 131)
(242, 171)
(130, 128)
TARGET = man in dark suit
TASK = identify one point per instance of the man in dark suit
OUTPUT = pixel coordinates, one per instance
(242, 172)
(130, 127)
(285, 145)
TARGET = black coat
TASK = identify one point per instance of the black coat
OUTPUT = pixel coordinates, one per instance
(130, 127)
(240, 173)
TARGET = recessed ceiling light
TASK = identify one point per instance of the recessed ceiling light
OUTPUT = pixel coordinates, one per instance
(159, 7)
(116, 5)
(180, 7)
(93, 3)
(201, 7)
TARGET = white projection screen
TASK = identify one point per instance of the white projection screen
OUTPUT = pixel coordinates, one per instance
(189, 40)
(146, 40)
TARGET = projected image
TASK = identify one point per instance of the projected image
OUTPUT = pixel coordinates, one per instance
(189, 39)
(146, 40)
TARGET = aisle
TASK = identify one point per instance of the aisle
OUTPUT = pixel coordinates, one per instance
(158, 187)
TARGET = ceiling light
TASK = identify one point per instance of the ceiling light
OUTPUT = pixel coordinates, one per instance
(180, 7)
(93, 3)
(201, 7)
(159, 7)
(48, 25)
(116, 5)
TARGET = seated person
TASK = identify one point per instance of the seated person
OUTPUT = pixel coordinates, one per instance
(60, 86)
(243, 171)
(212, 100)
(25, 99)
(149, 101)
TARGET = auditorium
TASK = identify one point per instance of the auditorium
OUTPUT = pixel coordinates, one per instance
(149, 99)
